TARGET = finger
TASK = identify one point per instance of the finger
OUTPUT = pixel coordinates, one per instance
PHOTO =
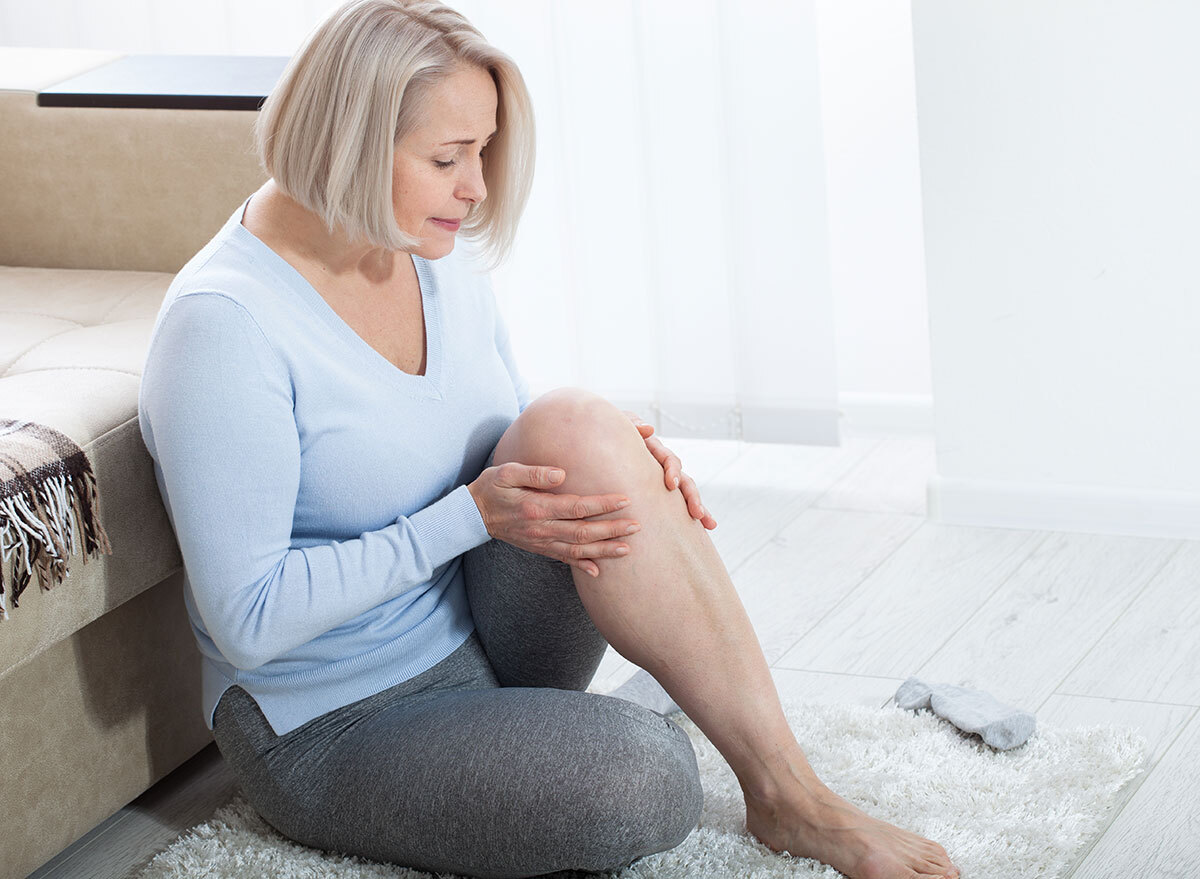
(605, 549)
(574, 506)
(691, 493)
(657, 449)
(662, 455)
(672, 466)
(674, 470)
(518, 475)
(586, 566)
(642, 426)
(583, 533)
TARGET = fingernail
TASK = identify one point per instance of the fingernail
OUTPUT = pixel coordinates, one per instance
(703, 510)
(594, 572)
(677, 482)
(633, 529)
(622, 505)
(622, 550)
(556, 475)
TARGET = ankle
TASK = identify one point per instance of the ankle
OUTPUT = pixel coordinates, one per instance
(783, 785)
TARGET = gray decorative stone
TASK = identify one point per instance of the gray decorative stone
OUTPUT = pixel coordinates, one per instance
(973, 711)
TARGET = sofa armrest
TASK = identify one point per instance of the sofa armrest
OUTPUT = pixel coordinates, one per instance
(113, 188)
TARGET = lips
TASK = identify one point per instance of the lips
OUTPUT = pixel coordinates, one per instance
(447, 224)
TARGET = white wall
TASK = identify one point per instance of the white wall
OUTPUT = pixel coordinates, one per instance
(1059, 146)
(674, 256)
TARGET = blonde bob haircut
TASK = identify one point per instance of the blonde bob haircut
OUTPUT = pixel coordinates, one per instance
(357, 86)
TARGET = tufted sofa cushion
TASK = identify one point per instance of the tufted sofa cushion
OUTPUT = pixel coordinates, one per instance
(72, 345)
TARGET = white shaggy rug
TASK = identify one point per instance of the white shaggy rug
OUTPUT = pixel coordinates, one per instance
(1027, 812)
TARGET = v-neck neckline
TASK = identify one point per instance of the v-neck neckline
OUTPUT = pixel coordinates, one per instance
(429, 383)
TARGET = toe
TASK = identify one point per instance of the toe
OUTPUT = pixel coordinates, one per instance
(942, 870)
(938, 864)
(939, 859)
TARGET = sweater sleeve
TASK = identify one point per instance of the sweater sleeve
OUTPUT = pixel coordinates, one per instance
(217, 407)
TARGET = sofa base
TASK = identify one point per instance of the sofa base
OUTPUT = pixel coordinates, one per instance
(94, 721)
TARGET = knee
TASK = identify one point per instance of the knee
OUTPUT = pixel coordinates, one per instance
(652, 809)
(579, 431)
(681, 793)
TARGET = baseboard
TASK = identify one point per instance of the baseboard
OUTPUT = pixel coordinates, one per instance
(895, 414)
(1052, 507)
(902, 414)
(746, 422)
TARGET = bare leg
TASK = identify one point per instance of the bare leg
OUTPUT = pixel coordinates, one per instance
(670, 607)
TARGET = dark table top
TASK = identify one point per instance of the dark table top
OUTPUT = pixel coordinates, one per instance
(183, 82)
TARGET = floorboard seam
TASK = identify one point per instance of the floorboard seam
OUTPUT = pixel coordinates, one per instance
(865, 577)
(1125, 699)
(1117, 618)
(1035, 545)
(1127, 794)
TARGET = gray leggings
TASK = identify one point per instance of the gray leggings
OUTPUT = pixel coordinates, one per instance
(492, 763)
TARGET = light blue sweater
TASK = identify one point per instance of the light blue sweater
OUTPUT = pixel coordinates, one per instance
(318, 492)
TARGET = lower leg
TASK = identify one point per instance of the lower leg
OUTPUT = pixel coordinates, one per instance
(670, 607)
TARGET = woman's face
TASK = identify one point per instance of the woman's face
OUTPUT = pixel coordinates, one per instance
(438, 171)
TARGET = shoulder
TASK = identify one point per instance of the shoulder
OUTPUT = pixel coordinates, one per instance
(218, 309)
(223, 278)
(224, 264)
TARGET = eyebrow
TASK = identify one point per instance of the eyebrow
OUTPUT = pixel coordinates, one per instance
(468, 142)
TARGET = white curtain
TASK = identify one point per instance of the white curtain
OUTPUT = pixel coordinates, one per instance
(674, 256)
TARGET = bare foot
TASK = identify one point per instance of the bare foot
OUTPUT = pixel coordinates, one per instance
(835, 832)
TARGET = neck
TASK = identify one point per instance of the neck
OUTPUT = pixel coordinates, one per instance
(304, 234)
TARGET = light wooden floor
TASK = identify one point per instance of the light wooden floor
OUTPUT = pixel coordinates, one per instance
(851, 590)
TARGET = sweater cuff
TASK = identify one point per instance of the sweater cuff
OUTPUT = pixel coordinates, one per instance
(450, 526)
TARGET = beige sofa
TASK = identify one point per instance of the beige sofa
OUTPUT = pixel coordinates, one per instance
(99, 678)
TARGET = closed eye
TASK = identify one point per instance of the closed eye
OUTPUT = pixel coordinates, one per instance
(452, 162)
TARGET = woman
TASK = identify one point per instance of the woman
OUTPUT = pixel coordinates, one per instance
(401, 572)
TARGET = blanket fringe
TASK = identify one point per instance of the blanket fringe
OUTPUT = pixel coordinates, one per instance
(38, 526)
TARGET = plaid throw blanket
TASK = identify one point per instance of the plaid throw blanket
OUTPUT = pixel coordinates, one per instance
(46, 485)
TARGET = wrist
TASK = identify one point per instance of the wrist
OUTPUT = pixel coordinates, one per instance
(477, 495)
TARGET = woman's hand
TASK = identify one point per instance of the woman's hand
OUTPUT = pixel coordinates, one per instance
(518, 508)
(673, 472)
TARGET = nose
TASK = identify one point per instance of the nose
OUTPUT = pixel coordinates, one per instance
(471, 186)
